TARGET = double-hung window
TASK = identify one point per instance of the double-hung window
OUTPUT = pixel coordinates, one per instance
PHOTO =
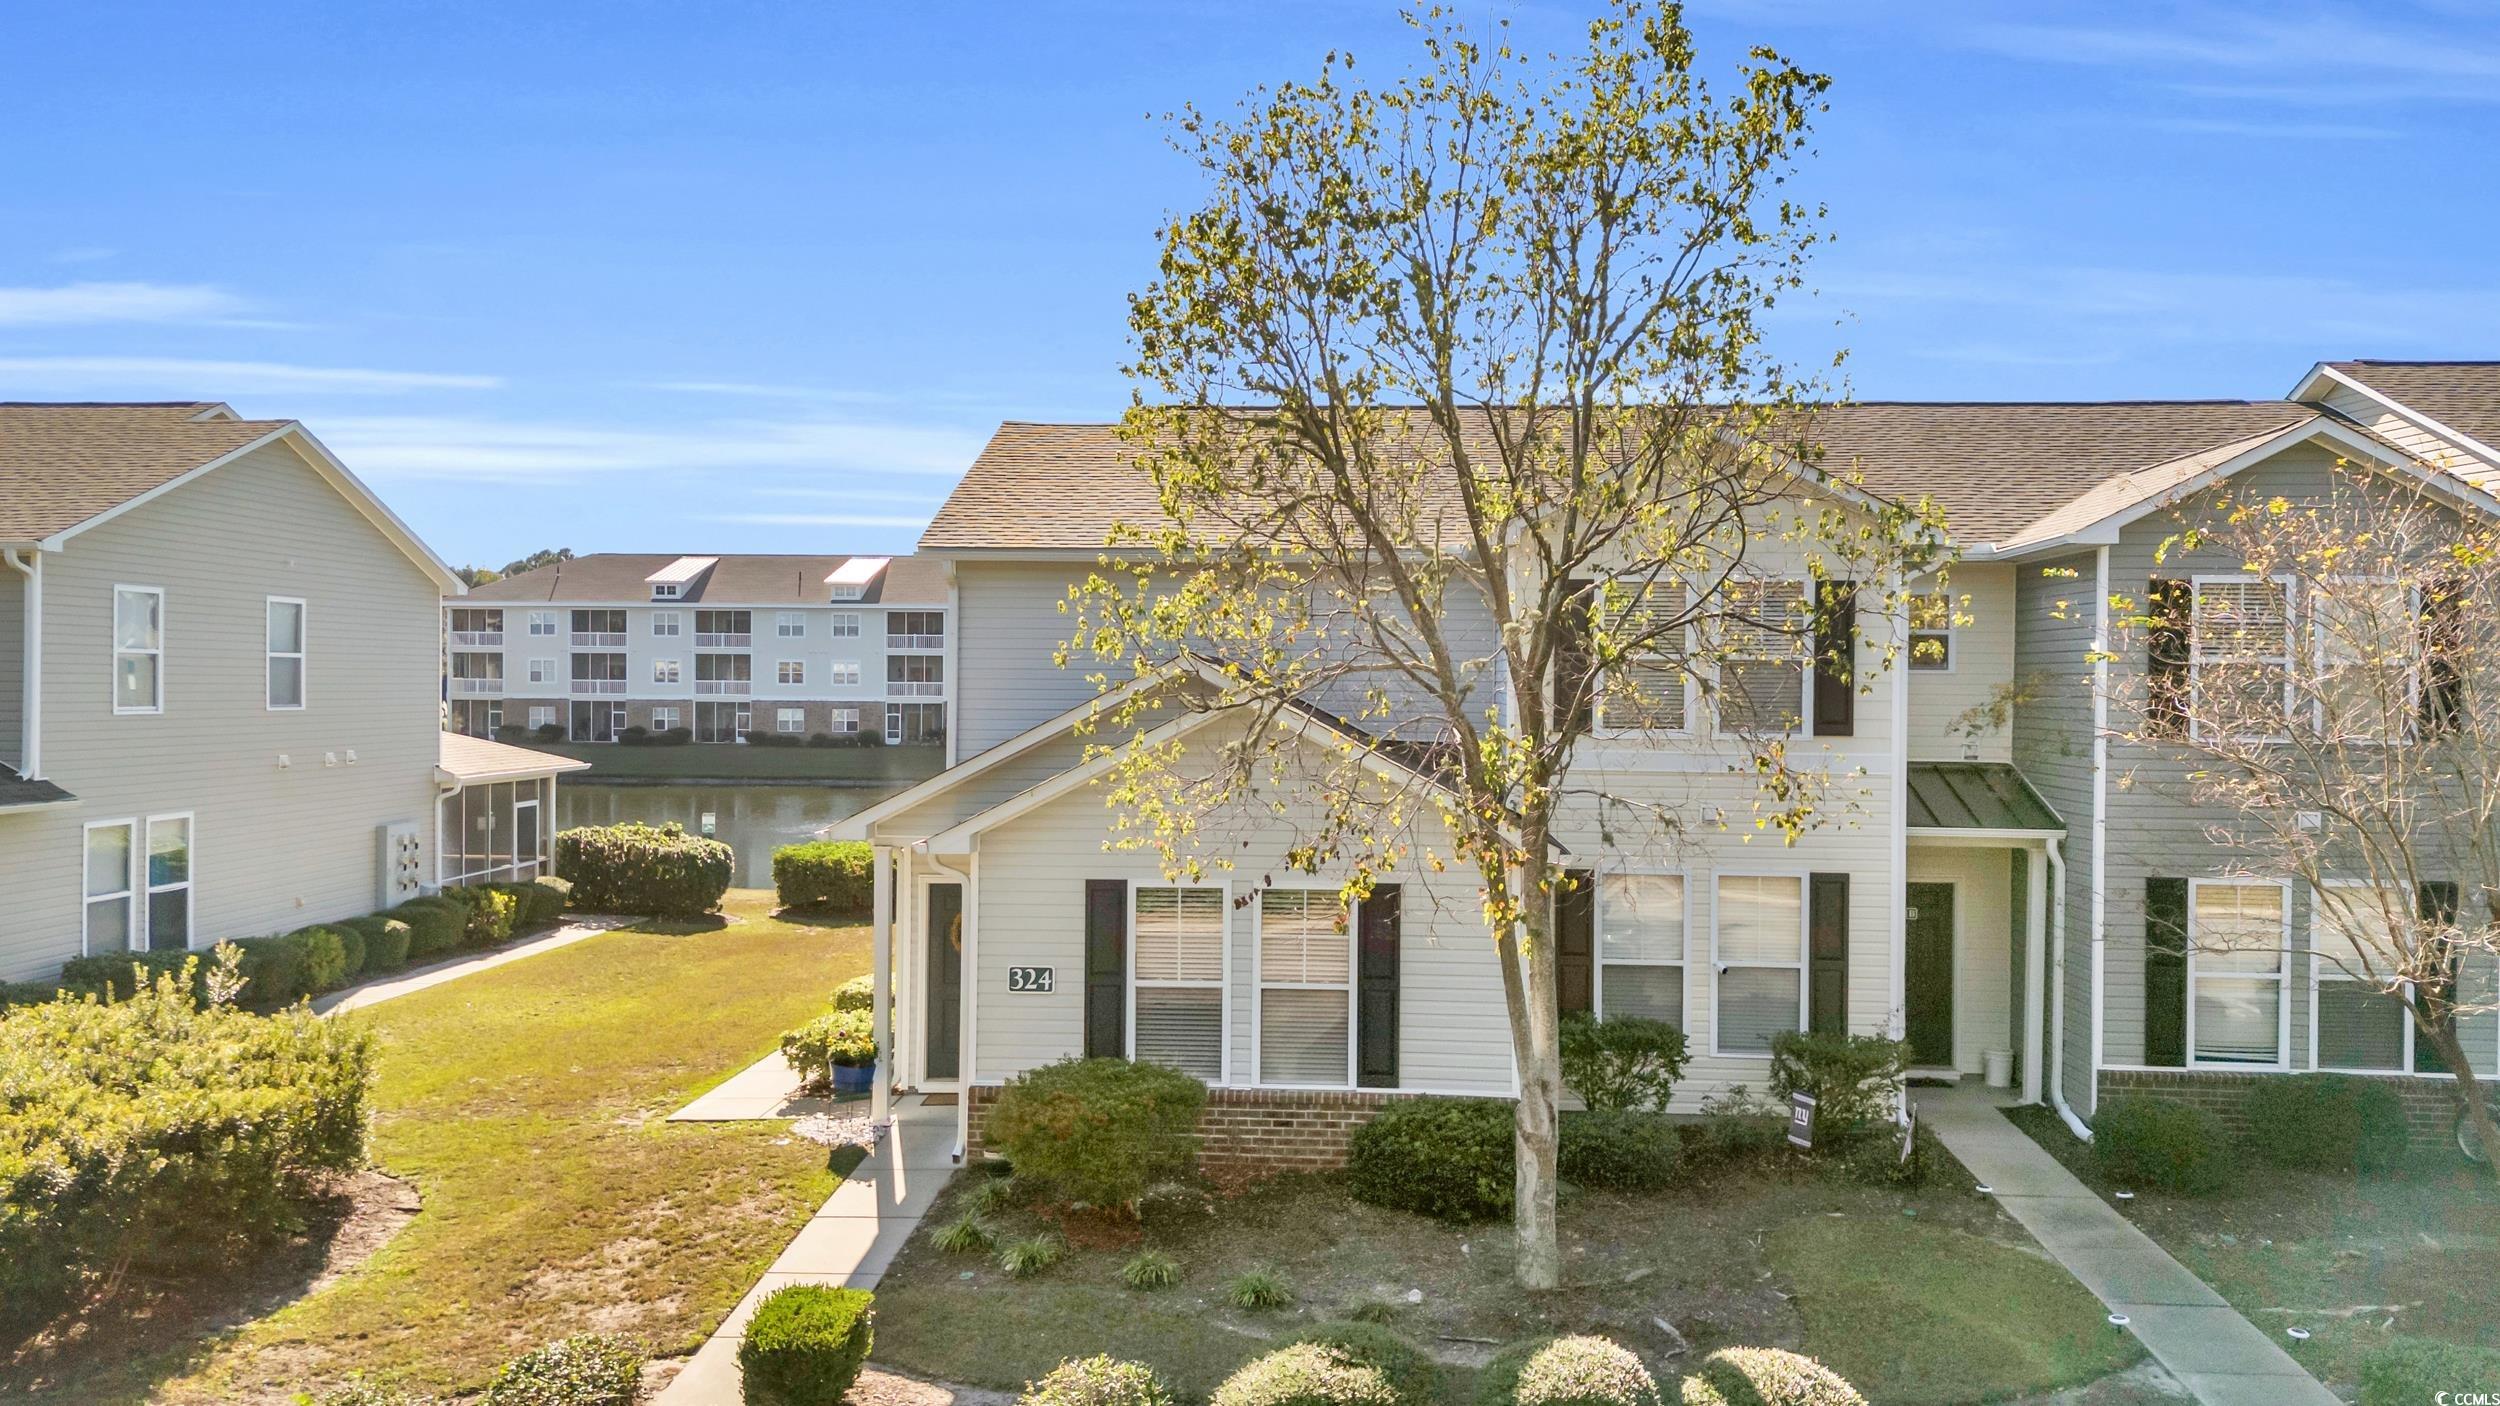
(286, 653)
(790, 720)
(1306, 989)
(112, 919)
(844, 624)
(138, 649)
(1758, 934)
(663, 719)
(543, 623)
(2355, 1024)
(136, 884)
(792, 671)
(844, 673)
(1644, 689)
(1762, 674)
(1640, 946)
(543, 671)
(666, 670)
(169, 882)
(845, 720)
(2239, 947)
(665, 624)
(542, 716)
(1177, 988)
(2367, 635)
(790, 624)
(1931, 632)
(2240, 658)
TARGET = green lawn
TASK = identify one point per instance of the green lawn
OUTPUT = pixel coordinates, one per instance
(526, 1104)
(878, 766)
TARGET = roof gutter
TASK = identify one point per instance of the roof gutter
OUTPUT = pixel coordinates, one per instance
(29, 564)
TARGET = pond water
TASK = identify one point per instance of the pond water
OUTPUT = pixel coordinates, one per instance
(751, 820)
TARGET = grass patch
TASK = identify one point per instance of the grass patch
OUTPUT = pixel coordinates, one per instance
(526, 1104)
(1909, 1312)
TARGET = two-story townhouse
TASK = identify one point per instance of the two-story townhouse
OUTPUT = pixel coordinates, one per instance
(215, 646)
(725, 647)
(1977, 892)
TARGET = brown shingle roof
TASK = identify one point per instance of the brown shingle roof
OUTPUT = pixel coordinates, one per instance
(62, 464)
(2463, 395)
(1993, 467)
(622, 578)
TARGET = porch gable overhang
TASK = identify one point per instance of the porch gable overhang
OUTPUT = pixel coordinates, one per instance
(1978, 799)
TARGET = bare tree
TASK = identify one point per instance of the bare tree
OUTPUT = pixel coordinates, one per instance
(1467, 447)
(2323, 685)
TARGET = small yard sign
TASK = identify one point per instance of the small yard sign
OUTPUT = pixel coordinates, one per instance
(1909, 1129)
(1801, 1121)
(1035, 979)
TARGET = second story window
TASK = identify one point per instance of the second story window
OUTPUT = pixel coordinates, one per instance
(1931, 632)
(286, 653)
(138, 649)
(1645, 691)
(915, 675)
(1762, 676)
(664, 671)
(845, 671)
(543, 671)
(2240, 658)
(604, 628)
(790, 625)
(665, 624)
(843, 624)
(543, 623)
(793, 671)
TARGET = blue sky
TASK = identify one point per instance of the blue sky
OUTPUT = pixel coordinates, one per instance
(748, 277)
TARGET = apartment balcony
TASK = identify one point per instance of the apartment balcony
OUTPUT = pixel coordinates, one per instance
(476, 687)
(600, 639)
(593, 686)
(898, 689)
(742, 641)
(735, 687)
(482, 638)
(915, 641)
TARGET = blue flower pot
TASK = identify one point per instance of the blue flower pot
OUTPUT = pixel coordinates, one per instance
(850, 1081)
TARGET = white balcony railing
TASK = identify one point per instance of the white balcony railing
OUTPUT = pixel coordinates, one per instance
(915, 641)
(895, 689)
(600, 639)
(474, 687)
(598, 685)
(729, 686)
(703, 641)
(477, 637)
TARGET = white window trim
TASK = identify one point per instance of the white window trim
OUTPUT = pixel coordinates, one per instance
(544, 671)
(659, 713)
(1951, 633)
(1598, 726)
(664, 590)
(667, 619)
(552, 619)
(144, 917)
(1224, 985)
(131, 826)
(550, 710)
(2282, 978)
(1805, 661)
(845, 674)
(844, 721)
(674, 670)
(2196, 647)
(1259, 987)
(2318, 972)
(301, 654)
(1684, 963)
(113, 640)
(845, 625)
(2317, 663)
(790, 673)
(1719, 966)
(790, 721)
(790, 625)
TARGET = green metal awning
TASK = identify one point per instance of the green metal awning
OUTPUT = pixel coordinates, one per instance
(1977, 797)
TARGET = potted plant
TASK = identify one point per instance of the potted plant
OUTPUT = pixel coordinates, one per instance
(836, 1052)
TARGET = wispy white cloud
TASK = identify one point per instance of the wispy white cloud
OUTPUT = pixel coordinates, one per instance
(72, 304)
(2360, 52)
(128, 375)
(2191, 305)
(820, 520)
(451, 447)
(754, 390)
(929, 495)
(2275, 131)
(2001, 354)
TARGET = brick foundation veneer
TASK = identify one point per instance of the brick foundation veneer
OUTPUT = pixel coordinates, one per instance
(1261, 1130)
(2430, 1104)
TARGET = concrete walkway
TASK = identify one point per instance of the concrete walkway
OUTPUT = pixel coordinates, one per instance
(849, 1242)
(764, 1089)
(418, 978)
(2215, 1353)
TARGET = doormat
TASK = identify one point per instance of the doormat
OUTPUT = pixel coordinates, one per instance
(944, 1100)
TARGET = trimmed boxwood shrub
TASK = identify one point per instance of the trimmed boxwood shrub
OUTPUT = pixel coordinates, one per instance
(1583, 1370)
(857, 994)
(1627, 1151)
(1099, 1131)
(279, 971)
(386, 941)
(1412, 1377)
(552, 896)
(1306, 1374)
(1855, 1079)
(632, 868)
(2409, 1371)
(156, 1136)
(487, 913)
(434, 924)
(1100, 1380)
(843, 1039)
(2162, 1143)
(110, 975)
(26, 993)
(1766, 1376)
(587, 1369)
(1453, 1159)
(351, 949)
(805, 1345)
(2327, 1122)
(830, 876)
(1621, 1062)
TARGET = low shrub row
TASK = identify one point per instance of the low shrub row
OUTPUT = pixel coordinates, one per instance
(2314, 1122)
(632, 868)
(588, 1369)
(828, 876)
(1098, 1131)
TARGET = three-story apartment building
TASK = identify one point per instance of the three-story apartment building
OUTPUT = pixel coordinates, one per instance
(1981, 887)
(723, 647)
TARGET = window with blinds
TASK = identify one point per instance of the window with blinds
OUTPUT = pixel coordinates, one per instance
(1644, 691)
(1760, 942)
(2368, 639)
(1640, 946)
(2237, 943)
(1179, 980)
(2358, 1025)
(2240, 658)
(1306, 989)
(1762, 674)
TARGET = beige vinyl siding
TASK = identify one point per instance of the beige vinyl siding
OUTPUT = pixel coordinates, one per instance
(2410, 437)
(12, 666)
(1009, 627)
(273, 848)
(1983, 957)
(2052, 747)
(973, 794)
(1983, 663)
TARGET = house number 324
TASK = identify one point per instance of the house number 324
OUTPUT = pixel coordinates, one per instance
(1028, 978)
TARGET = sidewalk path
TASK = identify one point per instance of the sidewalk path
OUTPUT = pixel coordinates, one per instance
(418, 978)
(764, 1089)
(849, 1242)
(2215, 1353)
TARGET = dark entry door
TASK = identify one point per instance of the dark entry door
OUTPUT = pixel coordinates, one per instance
(1928, 981)
(943, 938)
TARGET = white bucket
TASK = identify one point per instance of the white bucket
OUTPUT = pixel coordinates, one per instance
(1999, 1068)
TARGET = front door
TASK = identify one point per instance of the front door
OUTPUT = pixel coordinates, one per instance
(943, 938)
(524, 841)
(1928, 980)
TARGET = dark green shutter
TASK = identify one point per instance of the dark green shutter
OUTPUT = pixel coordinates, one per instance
(1835, 652)
(1575, 942)
(1574, 666)
(2165, 972)
(1376, 989)
(1827, 946)
(2443, 647)
(2436, 901)
(2166, 658)
(1106, 969)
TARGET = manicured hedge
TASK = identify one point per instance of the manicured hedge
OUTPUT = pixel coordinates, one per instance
(282, 970)
(109, 975)
(435, 925)
(1855, 1079)
(351, 950)
(1584, 1370)
(857, 994)
(805, 1345)
(831, 876)
(1099, 1131)
(1766, 1376)
(152, 1134)
(632, 868)
(1621, 1062)
(2164, 1144)
(386, 941)
(1627, 1151)
(588, 1369)
(2327, 1122)
(1453, 1159)
(2410, 1371)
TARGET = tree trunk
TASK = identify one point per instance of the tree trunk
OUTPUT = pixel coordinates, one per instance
(1539, 1125)
(1528, 989)
(2443, 1038)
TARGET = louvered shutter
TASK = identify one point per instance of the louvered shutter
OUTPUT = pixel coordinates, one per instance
(2443, 676)
(1376, 990)
(1106, 969)
(1827, 932)
(2437, 902)
(1835, 651)
(2166, 661)
(1575, 942)
(1574, 703)
(2165, 972)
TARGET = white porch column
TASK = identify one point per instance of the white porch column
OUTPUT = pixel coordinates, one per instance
(881, 977)
(2035, 959)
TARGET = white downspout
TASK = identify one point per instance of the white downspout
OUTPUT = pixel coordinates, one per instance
(881, 978)
(2035, 944)
(30, 718)
(2057, 1002)
(1899, 918)
(2100, 799)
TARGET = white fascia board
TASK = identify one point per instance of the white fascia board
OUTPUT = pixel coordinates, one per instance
(2462, 440)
